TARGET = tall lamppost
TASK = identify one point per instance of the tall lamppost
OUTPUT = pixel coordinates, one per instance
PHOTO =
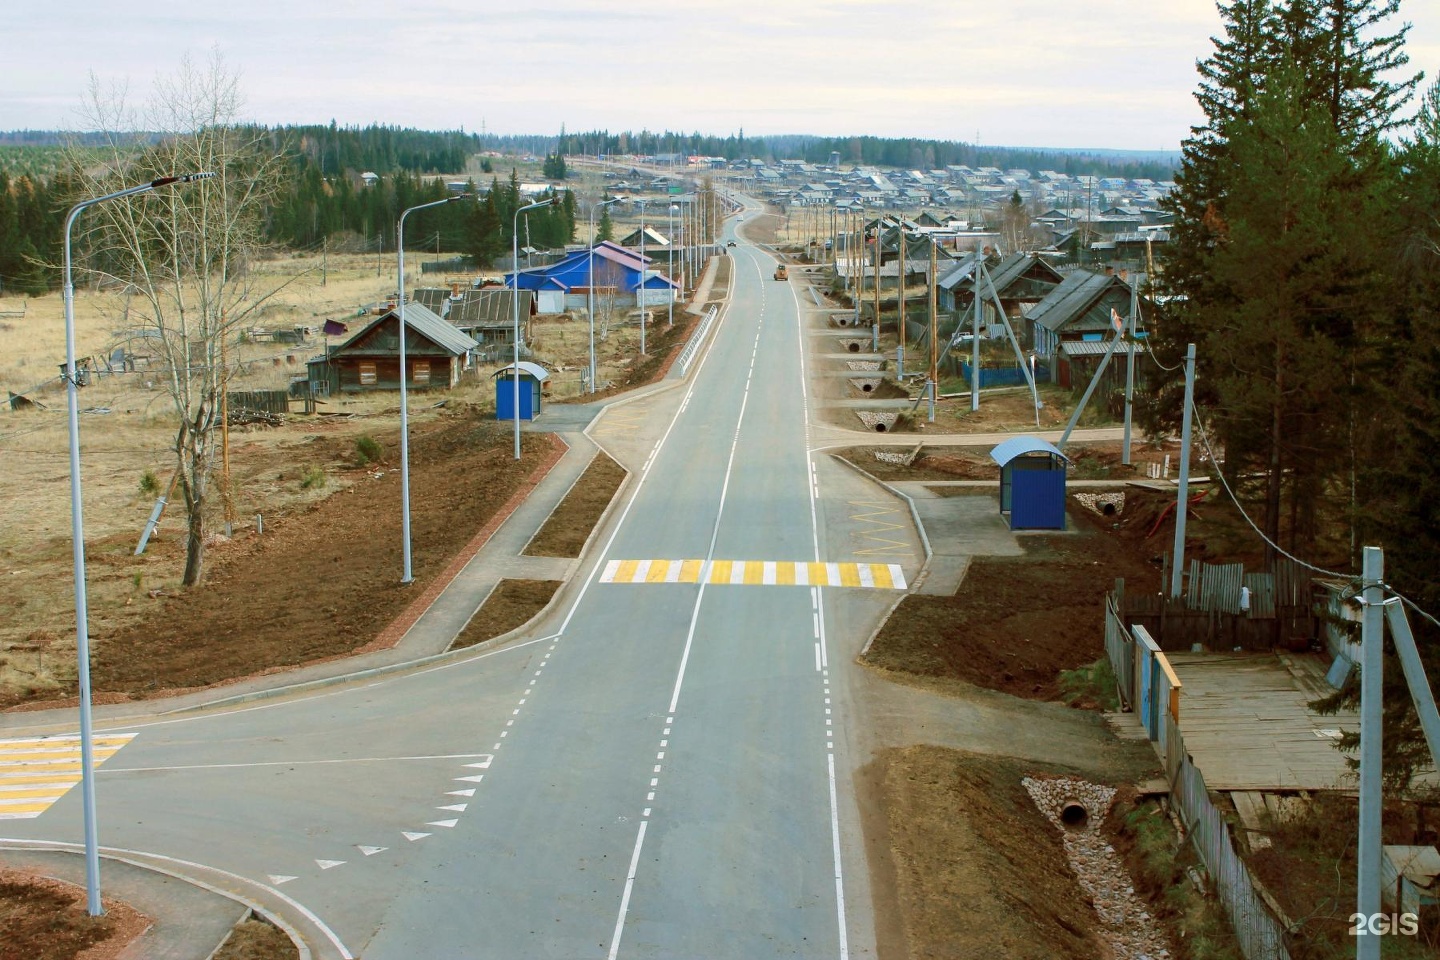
(592, 287)
(77, 537)
(404, 407)
(642, 298)
(515, 302)
(670, 261)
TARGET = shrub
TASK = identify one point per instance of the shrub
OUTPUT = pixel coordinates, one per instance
(149, 484)
(1093, 684)
(312, 477)
(368, 449)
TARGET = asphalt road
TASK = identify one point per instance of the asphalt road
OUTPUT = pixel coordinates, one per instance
(667, 777)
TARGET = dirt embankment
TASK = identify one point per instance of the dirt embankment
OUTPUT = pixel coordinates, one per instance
(324, 582)
(977, 870)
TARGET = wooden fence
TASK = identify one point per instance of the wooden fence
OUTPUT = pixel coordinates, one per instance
(1224, 608)
(1149, 687)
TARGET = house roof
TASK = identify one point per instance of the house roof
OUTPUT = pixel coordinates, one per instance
(1074, 295)
(492, 307)
(1097, 348)
(1004, 452)
(424, 321)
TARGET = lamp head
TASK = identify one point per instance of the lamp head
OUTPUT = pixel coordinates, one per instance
(183, 178)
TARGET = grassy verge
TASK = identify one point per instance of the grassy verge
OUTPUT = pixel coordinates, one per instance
(511, 604)
(565, 532)
(1159, 863)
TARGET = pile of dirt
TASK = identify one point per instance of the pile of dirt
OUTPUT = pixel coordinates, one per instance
(512, 604)
(565, 532)
(257, 940)
(663, 345)
(978, 871)
(45, 919)
(325, 582)
(1016, 622)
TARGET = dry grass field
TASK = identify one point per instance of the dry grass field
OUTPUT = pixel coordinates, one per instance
(128, 427)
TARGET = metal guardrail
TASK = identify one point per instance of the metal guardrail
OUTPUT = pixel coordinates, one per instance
(687, 356)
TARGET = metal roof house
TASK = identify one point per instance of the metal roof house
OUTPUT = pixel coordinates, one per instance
(616, 270)
(1021, 281)
(436, 354)
(488, 315)
(1081, 308)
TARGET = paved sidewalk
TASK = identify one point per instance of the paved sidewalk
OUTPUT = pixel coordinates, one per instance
(189, 921)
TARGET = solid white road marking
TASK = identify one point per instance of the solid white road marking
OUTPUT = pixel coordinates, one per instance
(370, 851)
(329, 864)
(475, 779)
(471, 791)
(629, 886)
(412, 837)
(441, 823)
(455, 807)
(278, 879)
(291, 763)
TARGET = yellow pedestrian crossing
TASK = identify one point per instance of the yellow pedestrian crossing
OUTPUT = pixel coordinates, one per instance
(37, 771)
(782, 573)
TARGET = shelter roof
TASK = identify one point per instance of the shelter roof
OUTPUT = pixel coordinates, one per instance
(526, 367)
(1004, 452)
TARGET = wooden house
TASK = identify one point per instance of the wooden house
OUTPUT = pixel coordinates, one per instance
(436, 354)
(1072, 326)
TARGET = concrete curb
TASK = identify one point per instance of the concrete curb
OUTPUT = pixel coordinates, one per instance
(301, 945)
(395, 632)
(914, 514)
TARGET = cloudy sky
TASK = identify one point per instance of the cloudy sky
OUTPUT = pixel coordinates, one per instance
(1097, 73)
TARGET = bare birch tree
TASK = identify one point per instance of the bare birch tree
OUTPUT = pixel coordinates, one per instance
(183, 252)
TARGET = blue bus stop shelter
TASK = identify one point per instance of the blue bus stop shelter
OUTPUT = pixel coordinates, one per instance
(1032, 483)
(532, 377)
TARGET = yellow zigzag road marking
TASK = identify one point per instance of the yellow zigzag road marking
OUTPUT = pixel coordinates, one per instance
(890, 546)
(781, 573)
(37, 771)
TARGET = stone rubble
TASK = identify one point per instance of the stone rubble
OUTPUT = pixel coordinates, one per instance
(1125, 924)
(1097, 501)
(871, 418)
(863, 364)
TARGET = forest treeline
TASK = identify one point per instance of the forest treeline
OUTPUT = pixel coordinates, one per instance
(1304, 265)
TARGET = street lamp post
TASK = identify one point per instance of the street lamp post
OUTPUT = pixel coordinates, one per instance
(404, 406)
(77, 536)
(592, 287)
(670, 262)
(515, 303)
(642, 297)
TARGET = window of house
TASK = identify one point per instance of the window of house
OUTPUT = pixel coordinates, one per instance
(368, 377)
(420, 372)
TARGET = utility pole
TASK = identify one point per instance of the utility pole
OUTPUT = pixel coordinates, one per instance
(225, 496)
(900, 314)
(1130, 367)
(1183, 492)
(1372, 665)
(934, 346)
(975, 335)
(875, 327)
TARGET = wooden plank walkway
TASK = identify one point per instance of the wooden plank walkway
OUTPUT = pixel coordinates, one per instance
(1246, 724)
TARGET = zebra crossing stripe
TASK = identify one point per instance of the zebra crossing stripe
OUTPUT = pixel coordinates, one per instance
(779, 573)
(37, 771)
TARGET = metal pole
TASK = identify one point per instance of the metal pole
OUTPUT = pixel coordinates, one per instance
(1372, 659)
(93, 902)
(406, 575)
(1130, 368)
(1183, 492)
(975, 340)
(515, 304)
(642, 298)
(670, 261)
(934, 334)
(875, 327)
(592, 288)
(900, 308)
(1415, 678)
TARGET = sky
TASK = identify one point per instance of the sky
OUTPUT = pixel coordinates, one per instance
(1117, 74)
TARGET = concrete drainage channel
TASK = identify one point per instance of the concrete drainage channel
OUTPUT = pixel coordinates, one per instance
(1077, 808)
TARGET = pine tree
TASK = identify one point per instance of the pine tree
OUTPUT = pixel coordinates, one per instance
(605, 229)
